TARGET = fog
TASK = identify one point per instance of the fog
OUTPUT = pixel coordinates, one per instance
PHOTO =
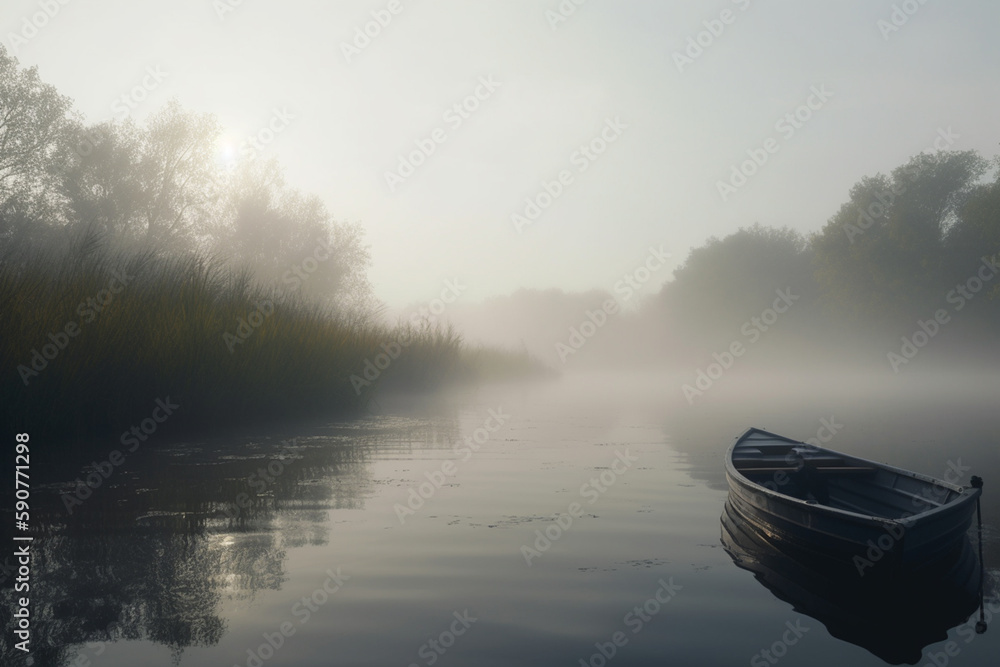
(894, 92)
(405, 233)
(700, 189)
(764, 299)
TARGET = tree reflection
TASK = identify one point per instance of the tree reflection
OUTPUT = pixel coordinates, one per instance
(156, 551)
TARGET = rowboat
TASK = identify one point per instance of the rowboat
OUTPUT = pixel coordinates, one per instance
(894, 618)
(845, 507)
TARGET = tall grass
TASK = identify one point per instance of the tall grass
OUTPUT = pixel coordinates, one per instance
(225, 348)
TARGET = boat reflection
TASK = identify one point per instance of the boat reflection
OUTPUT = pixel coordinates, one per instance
(890, 613)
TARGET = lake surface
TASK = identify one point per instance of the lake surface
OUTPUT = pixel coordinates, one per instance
(568, 523)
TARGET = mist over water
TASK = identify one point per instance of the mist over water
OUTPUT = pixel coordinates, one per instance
(408, 333)
(437, 507)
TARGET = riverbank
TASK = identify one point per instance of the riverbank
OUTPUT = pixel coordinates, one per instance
(94, 342)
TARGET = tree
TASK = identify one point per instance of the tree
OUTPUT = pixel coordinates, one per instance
(101, 180)
(726, 281)
(975, 235)
(34, 121)
(155, 184)
(880, 257)
(178, 166)
(158, 184)
(289, 240)
(976, 232)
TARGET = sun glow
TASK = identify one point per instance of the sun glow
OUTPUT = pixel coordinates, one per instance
(227, 150)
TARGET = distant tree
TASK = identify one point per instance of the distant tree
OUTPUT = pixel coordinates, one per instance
(880, 257)
(726, 281)
(101, 180)
(977, 229)
(34, 121)
(179, 167)
(975, 235)
(159, 184)
(155, 184)
(289, 239)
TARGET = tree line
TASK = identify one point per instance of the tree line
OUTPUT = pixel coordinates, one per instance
(904, 246)
(164, 185)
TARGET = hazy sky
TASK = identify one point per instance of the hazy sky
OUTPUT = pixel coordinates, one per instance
(609, 67)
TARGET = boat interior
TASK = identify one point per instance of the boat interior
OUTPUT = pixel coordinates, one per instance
(827, 478)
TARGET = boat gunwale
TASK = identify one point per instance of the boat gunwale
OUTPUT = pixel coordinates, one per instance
(965, 494)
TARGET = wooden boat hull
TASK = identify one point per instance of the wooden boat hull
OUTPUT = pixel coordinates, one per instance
(843, 506)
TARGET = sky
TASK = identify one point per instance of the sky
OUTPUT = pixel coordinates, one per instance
(618, 120)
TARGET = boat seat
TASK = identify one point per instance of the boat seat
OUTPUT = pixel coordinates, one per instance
(831, 470)
(884, 495)
(846, 470)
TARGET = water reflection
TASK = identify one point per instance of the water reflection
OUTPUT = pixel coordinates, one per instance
(164, 544)
(924, 425)
(892, 615)
(164, 562)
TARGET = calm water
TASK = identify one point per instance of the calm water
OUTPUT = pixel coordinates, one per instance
(405, 538)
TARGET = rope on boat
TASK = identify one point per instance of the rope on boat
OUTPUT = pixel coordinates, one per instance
(977, 483)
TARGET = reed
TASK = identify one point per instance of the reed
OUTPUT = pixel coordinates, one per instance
(91, 336)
